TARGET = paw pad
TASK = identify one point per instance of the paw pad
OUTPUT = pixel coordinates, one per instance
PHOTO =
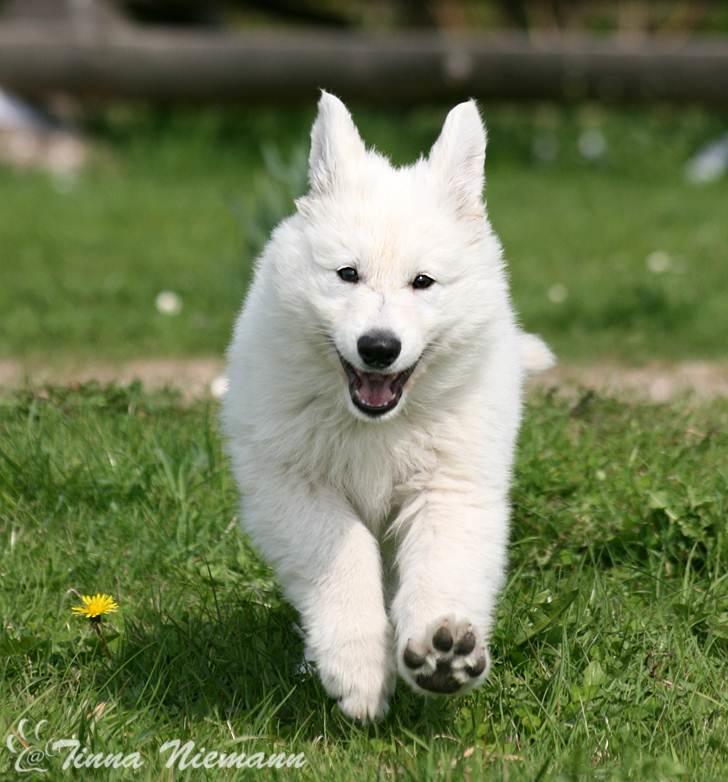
(451, 658)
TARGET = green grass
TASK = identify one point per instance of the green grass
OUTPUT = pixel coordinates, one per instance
(610, 647)
(183, 201)
(611, 644)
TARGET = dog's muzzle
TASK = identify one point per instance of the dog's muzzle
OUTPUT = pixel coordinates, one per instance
(375, 393)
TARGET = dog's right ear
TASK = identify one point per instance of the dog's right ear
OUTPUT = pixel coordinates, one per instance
(335, 143)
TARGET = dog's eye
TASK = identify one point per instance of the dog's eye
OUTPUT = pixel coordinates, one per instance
(422, 281)
(348, 274)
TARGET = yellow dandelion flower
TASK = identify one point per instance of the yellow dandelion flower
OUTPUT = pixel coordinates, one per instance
(94, 607)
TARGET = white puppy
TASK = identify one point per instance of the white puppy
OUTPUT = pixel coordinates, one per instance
(375, 396)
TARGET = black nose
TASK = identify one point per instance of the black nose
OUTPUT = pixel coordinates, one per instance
(379, 349)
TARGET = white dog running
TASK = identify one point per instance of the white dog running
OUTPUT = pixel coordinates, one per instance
(375, 397)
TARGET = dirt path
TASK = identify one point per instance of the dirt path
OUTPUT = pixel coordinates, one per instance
(203, 376)
(657, 382)
(193, 377)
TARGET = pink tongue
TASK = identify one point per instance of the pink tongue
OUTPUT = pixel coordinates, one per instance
(375, 390)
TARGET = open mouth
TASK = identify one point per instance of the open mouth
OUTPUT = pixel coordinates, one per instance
(375, 393)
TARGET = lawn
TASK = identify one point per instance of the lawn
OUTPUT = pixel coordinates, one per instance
(617, 257)
(611, 644)
(609, 650)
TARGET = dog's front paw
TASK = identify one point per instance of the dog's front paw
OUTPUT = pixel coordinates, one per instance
(449, 658)
(361, 677)
(365, 706)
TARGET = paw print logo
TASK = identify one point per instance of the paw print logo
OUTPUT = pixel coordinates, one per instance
(23, 742)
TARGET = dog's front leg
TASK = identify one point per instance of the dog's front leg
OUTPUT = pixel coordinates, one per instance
(330, 568)
(450, 562)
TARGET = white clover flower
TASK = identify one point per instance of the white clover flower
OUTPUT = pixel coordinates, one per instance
(658, 262)
(168, 303)
(557, 293)
(219, 386)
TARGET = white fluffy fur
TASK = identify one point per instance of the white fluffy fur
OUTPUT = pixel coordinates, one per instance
(381, 530)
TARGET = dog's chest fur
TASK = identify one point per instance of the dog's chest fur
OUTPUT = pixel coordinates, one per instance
(375, 467)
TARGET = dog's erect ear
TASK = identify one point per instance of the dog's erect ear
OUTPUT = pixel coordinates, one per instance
(458, 156)
(335, 143)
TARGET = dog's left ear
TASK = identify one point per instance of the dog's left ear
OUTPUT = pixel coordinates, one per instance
(458, 157)
(335, 143)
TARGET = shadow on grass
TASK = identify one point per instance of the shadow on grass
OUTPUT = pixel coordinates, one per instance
(243, 662)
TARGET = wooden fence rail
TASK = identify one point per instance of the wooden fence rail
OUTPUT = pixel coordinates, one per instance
(124, 62)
